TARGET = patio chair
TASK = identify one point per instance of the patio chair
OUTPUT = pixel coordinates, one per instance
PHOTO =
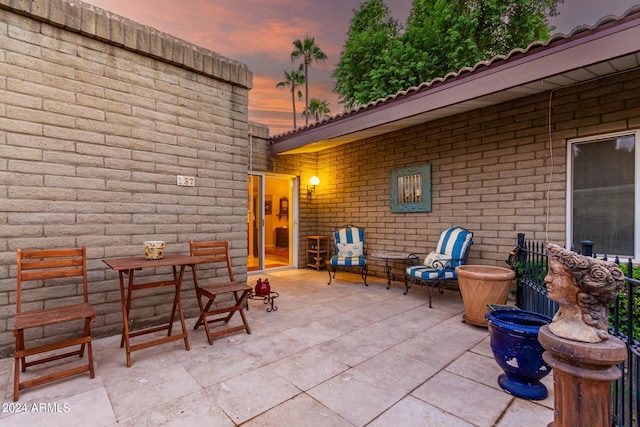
(53, 272)
(439, 267)
(350, 251)
(214, 254)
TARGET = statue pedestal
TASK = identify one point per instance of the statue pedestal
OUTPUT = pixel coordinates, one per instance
(582, 377)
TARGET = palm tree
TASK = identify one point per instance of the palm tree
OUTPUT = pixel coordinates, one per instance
(309, 51)
(317, 109)
(293, 79)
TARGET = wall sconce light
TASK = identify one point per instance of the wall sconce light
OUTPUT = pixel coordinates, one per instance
(314, 181)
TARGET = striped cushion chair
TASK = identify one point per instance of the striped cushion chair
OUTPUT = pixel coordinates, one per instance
(350, 251)
(440, 265)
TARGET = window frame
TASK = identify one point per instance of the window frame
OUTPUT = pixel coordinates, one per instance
(569, 190)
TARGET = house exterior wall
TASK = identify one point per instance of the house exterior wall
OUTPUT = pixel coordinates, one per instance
(304, 166)
(98, 115)
(491, 172)
(260, 158)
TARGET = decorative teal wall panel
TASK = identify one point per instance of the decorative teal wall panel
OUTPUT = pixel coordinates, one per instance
(411, 189)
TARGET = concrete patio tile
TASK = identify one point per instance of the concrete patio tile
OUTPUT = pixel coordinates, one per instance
(476, 403)
(314, 312)
(434, 350)
(301, 411)
(314, 297)
(396, 370)
(465, 331)
(339, 355)
(308, 368)
(380, 310)
(272, 347)
(524, 413)
(191, 410)
(412, 412)
(478, 368)
(446, 300)
(483, 347)
(346, 322)
(150, 381)
(347, 304)
(300, 317)
(355, 396)
(312, 334)
(56, 391)
(252, 393)
(419, 318)
(211, 364)
(360, 345)
(6, 378)
(81, 409)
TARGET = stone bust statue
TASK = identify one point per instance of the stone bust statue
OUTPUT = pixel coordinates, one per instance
(583, 287)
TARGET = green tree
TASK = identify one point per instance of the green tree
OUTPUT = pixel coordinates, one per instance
(309, 52)
(447, 35)
(373, 34)
(441, 36)
(293, 80)
(317, 109)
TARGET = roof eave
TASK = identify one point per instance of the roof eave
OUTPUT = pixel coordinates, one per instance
(539, 62)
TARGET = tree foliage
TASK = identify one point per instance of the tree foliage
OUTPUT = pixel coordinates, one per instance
(293, 79)
(309, 52)
(317, 109)
(372, 35)
(441, 36)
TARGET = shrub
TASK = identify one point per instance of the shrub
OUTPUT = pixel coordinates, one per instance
(622, 303)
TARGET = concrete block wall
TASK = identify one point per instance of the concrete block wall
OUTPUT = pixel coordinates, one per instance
(491, 171)
(261, 159)
(98, 115)
(304, 166)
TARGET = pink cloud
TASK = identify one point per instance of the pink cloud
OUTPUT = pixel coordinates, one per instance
(260, 35)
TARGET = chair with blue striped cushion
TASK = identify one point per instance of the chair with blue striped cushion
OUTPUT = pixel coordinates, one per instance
(350, 251)
(440, 265)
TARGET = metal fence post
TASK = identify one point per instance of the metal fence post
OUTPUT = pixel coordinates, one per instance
(586, 247)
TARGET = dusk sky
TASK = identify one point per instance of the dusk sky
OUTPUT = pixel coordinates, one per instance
(259, 33)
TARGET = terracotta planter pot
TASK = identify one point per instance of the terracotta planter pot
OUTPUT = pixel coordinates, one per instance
(481, 285)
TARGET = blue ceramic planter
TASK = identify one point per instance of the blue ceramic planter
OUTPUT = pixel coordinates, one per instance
(515, 346)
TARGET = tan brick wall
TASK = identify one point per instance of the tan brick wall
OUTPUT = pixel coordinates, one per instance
(98, 115)
(261, 159)
(490, 172)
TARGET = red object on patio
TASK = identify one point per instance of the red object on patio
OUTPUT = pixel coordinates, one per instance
(263, 289)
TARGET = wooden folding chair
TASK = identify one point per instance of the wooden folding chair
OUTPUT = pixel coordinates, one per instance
(49, 268)
(216, 253)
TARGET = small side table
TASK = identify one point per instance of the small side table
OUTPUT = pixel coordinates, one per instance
(266, 299)
(317, 251)
(390, 256)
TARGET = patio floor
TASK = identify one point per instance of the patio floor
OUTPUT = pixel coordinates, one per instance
(339, 355)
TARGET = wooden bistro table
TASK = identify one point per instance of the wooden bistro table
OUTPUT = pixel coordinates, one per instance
(128, 266)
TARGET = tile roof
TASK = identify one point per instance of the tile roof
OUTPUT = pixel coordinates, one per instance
(582, 31)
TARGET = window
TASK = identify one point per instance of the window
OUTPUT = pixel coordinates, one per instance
(602, 193)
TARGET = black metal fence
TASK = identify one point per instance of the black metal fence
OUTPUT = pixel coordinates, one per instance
(529, 261)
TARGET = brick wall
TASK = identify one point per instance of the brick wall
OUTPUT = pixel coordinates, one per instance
(98, 115)
(303, 166)
(491, 172)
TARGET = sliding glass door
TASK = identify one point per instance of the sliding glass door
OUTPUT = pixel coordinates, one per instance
(271, 222)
